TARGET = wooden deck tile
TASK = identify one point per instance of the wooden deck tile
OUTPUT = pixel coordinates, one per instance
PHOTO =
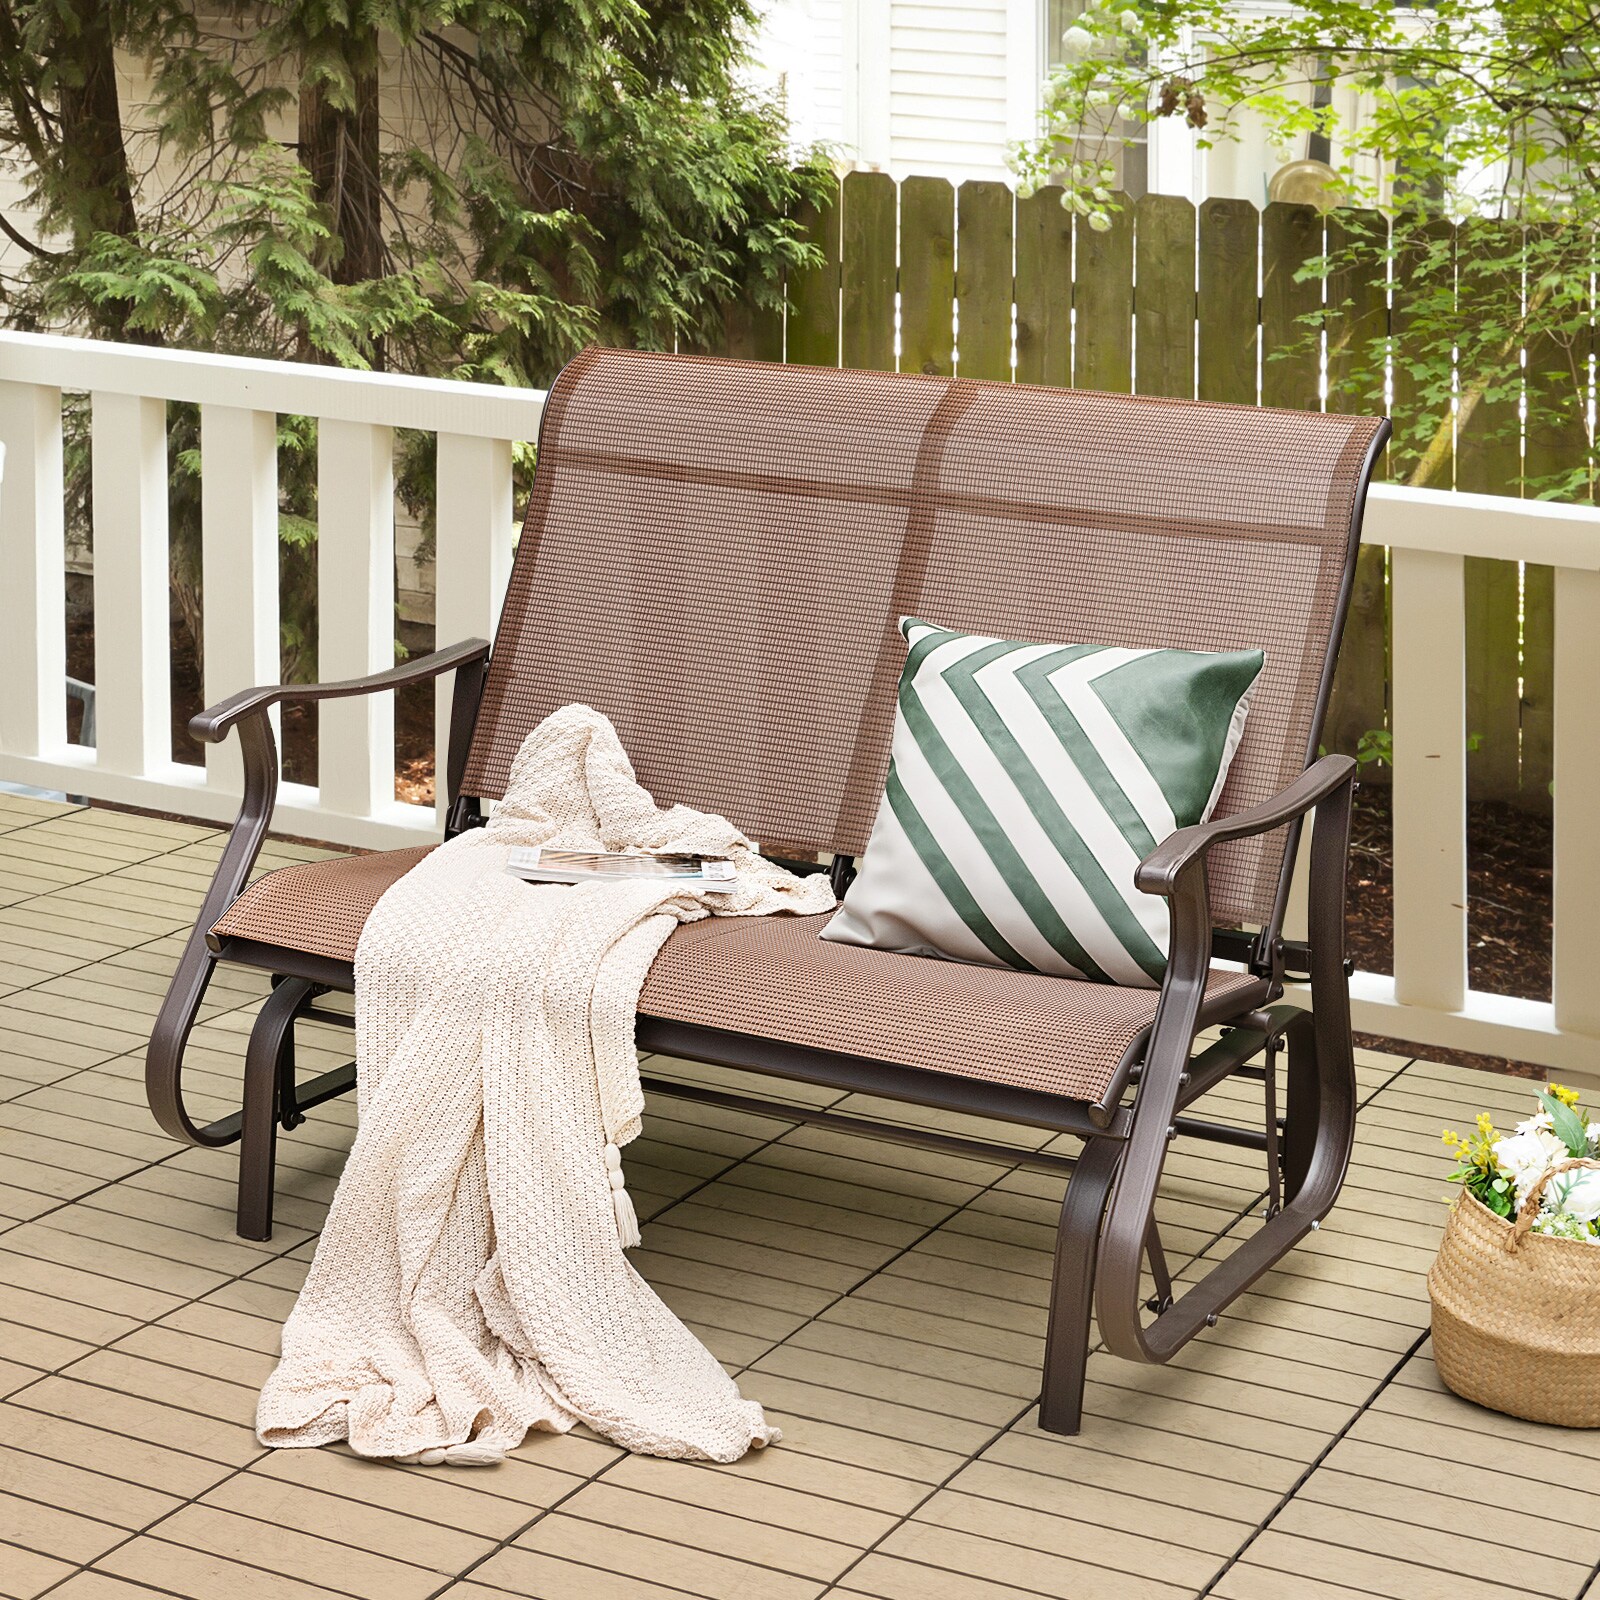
(630, 1552)
(472, 1505)
(200, 1575)
(563, 1580)
(26, 1573)
(47, 1436)
(886, 1303)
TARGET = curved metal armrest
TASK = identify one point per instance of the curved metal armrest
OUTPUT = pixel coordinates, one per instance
(212, 724)
(1159, 872)
(1322, 1075)
(247, 712)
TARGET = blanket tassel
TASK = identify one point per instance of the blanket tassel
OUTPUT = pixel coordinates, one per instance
(621, 1203)
(470, 1454)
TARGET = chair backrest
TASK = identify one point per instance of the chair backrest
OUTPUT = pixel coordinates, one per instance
(716, 554)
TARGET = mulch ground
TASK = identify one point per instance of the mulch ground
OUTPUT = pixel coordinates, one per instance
(1509, 851)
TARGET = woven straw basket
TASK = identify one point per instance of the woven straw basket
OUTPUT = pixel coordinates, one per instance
(1516, 1315)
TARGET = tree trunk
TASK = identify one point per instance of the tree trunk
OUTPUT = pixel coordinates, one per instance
(91, 129)
(93, 161)
(339, 148)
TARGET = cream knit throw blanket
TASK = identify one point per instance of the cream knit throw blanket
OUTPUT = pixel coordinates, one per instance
(470, 1283)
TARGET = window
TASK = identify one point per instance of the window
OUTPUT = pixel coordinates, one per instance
(1128, 138)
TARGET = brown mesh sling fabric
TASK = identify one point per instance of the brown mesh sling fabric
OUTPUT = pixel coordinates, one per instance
(773, 976)
(716, 555)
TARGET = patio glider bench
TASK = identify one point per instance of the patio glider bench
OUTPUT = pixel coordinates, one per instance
(716, 555)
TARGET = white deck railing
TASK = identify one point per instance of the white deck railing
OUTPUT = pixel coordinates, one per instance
(240, 401)
(1431, 533)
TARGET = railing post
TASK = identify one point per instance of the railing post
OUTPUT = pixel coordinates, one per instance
(355, 612)
(33, 601)
(472, 557)
(132, 632)
(239, 560)
(1576, 986)
(1430, 779)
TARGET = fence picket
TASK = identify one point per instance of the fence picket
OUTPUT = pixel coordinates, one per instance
(1291, 360)
(1357, 323)
(1357, 315)
(1228, 312)
(1489, 461)
(928, 275)
(1102, 299)
(811, 333)
(867, 275)
(752, 332)
(1164, 296)
(1422, 451)
(1557, 440)
(1044, 289)
(983, 279)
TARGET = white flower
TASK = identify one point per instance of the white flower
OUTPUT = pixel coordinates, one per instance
(1076, 43)
(1594, 1137)
(1525, 1156)
(1558, 1225)
(1100, 222)
(1575, 1194)
(1132, 22)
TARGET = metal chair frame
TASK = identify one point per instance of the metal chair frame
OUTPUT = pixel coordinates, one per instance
(1107, 1233)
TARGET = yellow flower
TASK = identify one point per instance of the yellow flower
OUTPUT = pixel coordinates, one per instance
(1568, 1097)
(1485, 1126)
(1451, 1138)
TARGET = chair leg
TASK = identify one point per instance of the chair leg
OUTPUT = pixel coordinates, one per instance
(1303, 1113)
(1066, 1348)
(269, 1053)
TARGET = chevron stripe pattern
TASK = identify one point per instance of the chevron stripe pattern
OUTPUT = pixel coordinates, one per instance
(1026, 783)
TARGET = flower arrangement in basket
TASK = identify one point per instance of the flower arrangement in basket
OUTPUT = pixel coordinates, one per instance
(1516, 1286)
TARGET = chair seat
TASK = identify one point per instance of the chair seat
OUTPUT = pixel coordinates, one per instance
(774, 978)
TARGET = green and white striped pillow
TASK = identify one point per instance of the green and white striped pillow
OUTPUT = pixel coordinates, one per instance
(1026, 782)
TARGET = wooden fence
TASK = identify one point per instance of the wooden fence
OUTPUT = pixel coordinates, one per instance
(1203, 302)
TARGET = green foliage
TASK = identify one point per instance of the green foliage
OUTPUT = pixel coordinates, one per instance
(586, 169)
(1375, 747)
(561, 171)
(1545, 1170)
(1566, 1124)
(1476, 136)
(1477, 1169)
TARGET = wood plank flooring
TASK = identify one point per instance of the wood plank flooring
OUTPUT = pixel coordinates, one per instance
(885, 1304)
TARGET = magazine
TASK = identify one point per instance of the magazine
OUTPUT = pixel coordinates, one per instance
(536, 864)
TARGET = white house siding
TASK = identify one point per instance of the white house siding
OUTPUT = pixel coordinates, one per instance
(909, 86)
(948, 88)
(799, 55)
